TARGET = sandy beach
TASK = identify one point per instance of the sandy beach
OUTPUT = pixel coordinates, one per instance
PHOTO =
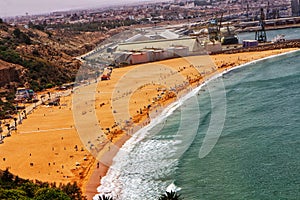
(77, 140)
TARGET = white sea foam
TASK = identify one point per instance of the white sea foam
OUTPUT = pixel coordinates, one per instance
(173, 188)
(141, 172)
(144, 170)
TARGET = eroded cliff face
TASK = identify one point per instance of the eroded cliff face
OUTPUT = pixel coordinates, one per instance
(48, 56)
(42, 59)
(10, 74)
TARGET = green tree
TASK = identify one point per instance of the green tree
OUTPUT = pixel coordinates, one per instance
(104, 197)
(73, 191)
(29, 188)
(7, 176)
(22, 37)
(12, 187)
(170, 196)
(25, 38)
(13, 194)
(17, 33)
(51, 193)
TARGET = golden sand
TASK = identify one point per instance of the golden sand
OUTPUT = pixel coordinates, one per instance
(47, 145)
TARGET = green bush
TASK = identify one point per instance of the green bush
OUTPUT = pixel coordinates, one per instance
(50, 193)
(14, 188)
(13, 194)
(49, 85)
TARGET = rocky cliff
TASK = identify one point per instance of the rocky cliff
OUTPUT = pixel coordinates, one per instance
(39, 59)
(48, 57)
(10, 74)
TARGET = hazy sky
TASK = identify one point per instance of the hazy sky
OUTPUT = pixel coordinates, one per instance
(20, 7)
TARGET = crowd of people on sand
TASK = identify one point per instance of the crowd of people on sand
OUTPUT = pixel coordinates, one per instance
(142, 117)
(167, 87)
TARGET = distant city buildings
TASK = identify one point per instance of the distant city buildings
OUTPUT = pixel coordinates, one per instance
(189, 10)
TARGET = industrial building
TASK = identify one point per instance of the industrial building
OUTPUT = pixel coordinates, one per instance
(154, 34)
(155, 50)
(150, 55)
(152, 44)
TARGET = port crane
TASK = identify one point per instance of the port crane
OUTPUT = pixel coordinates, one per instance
(218, 33)
(260, 35)
(214, 29)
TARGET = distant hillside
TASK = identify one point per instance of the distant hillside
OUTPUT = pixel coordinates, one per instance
(47, 56)
(39, 59)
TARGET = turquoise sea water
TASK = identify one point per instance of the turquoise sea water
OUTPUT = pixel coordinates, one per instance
(257, 155)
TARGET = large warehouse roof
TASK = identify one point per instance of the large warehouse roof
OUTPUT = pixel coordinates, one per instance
(190, 42)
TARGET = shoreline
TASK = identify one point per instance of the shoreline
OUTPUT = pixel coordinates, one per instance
(217, 73)
(54, 128)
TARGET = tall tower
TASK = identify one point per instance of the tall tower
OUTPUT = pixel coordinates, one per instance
(295, 4)
(260, 35)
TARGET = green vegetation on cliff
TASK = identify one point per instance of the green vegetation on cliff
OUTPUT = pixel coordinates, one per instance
(40, 73)
(31, 58)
